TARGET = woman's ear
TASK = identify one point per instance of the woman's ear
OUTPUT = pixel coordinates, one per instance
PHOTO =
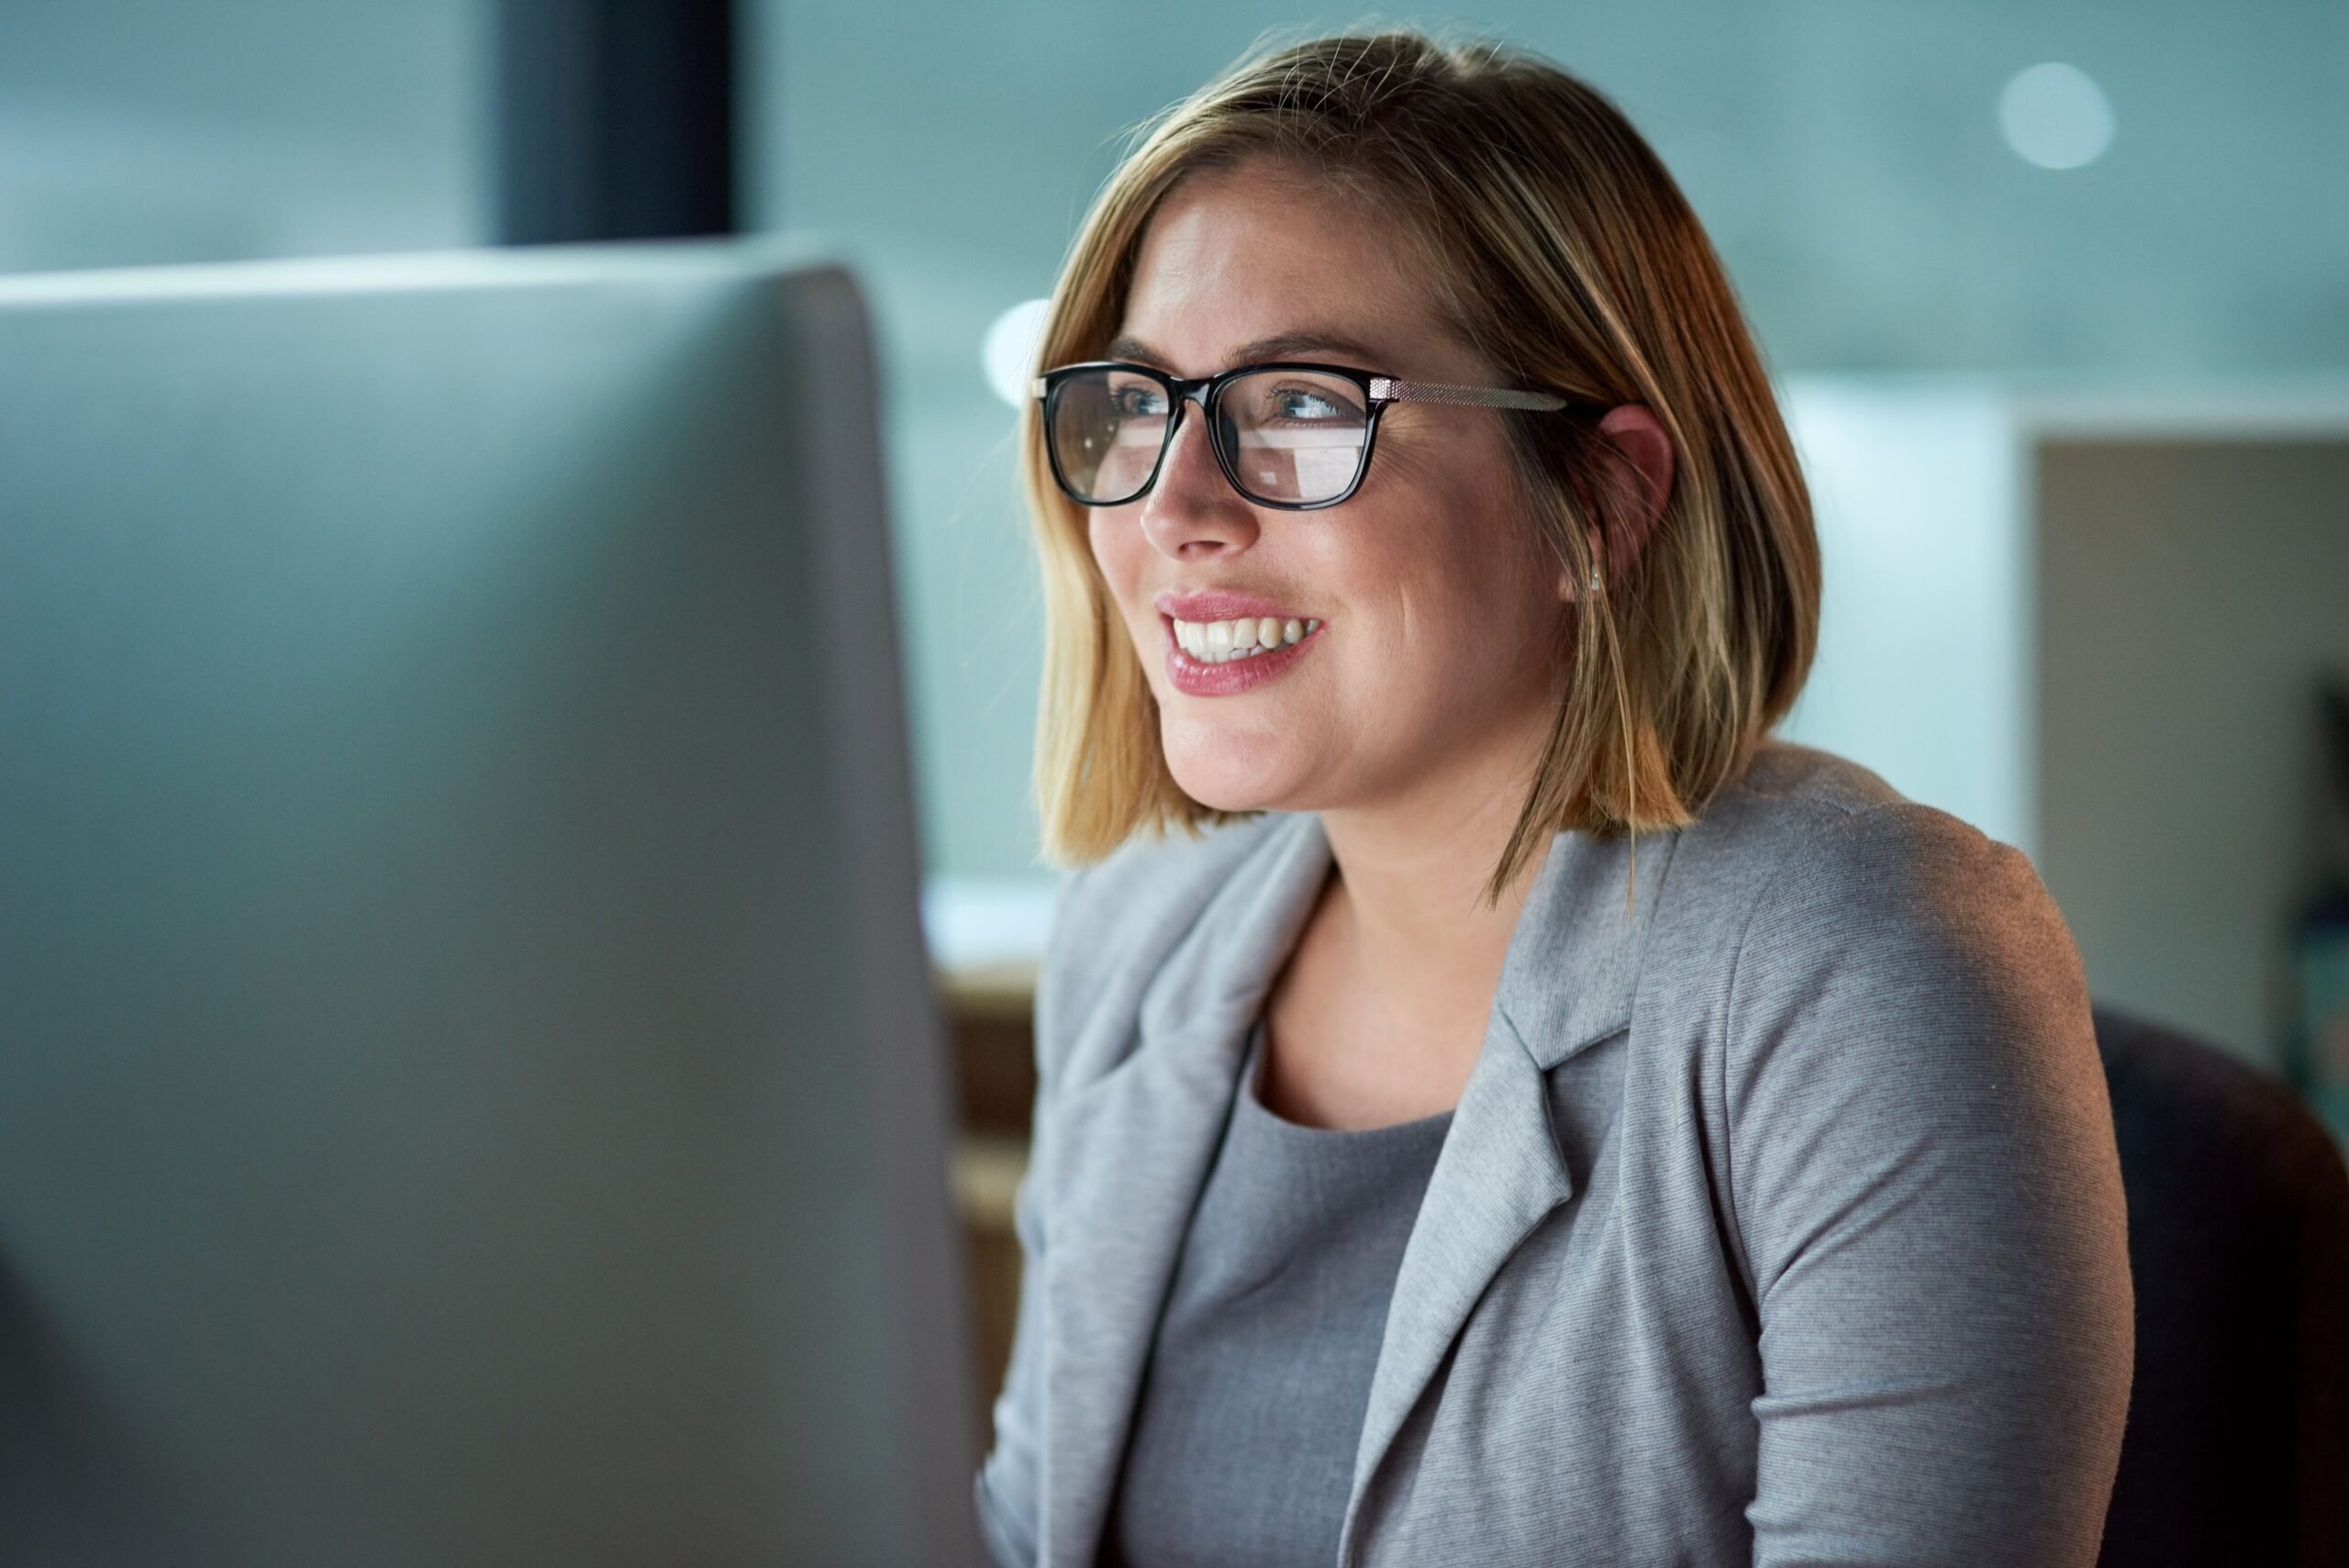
(1638, 458)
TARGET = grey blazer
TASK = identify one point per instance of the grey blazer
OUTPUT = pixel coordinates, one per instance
(1779, 1222)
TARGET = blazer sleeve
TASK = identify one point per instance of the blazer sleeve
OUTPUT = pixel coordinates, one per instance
(1008, 1486)
(1926, 1187)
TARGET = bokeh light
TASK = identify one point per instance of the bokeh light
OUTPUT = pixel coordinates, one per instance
(2056, 117)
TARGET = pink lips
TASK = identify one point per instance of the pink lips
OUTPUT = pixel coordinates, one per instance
(1220, 603)
(1198, 679)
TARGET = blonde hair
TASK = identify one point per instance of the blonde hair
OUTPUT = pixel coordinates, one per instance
(1556, 245)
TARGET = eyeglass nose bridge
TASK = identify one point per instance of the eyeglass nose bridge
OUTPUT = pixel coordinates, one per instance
(1188, 392)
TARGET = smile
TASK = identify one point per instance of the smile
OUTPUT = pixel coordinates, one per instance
(1216, 641)
(1210, 658)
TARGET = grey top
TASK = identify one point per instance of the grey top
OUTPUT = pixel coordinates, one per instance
(1243, 1439)
(1780, 1219)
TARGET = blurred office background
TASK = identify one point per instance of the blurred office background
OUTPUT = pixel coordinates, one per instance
(2058, 294)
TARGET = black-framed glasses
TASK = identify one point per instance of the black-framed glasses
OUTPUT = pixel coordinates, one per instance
(1290, 434)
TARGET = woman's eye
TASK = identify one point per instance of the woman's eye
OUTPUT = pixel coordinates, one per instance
(1304, 403)
(1138, 402)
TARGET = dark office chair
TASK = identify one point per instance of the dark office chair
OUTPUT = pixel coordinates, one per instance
(2237, 1447)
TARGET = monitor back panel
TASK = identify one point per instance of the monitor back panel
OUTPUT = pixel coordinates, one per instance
(468, 1088)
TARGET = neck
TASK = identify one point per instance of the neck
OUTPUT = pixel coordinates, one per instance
(1410, 875)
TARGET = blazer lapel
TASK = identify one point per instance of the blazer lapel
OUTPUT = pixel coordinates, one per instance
(1568, 980)
(1131, 1148)
(1131, 1152)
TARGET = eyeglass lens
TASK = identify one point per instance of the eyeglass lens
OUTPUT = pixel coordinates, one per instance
(1291, 436)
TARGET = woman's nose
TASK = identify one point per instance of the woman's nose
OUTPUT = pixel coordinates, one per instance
(1193, 510)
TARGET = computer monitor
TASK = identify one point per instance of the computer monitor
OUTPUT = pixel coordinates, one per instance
(470, 1086)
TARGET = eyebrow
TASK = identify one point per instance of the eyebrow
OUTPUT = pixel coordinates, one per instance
(1279, 346)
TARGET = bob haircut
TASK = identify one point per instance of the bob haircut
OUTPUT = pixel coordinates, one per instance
(1551, 242)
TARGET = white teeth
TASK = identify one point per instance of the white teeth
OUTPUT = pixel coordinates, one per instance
(1221, 642)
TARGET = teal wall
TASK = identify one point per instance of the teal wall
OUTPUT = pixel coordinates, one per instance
(136, 131)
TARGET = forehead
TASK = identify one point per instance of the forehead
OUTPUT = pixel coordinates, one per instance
(1256, 264)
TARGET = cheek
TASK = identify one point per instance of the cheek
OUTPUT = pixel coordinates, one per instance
(1117, 558)
(1466, 599)
(1111, 555)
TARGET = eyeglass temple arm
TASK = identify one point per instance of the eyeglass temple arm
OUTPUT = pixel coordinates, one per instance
(1481, 396)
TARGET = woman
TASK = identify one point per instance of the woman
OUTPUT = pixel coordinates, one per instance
(1529, 1114)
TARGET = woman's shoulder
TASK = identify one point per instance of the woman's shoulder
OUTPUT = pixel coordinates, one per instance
(1153, 887)
(1802, 812)
(1117, 920)
(1788, 791)
(1811, 849)
(1813, 874)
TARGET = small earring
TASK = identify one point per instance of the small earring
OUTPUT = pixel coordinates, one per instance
(1595, 584)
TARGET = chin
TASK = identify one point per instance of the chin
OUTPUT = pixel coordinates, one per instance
(1219, 802)
(1230, 789)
